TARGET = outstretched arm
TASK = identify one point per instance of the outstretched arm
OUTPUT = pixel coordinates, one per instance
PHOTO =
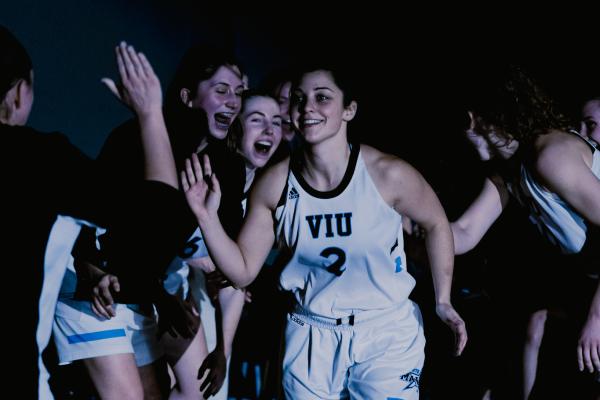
(477, 219)
(240, 261)
(417, 200)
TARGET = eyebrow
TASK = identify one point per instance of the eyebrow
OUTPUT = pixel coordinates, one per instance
(324, 88)
(256, 112)
(241, 85)
(261, 114)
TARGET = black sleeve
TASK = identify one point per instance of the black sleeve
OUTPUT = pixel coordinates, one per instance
(230, 170)
(121, 156)
(147, 221)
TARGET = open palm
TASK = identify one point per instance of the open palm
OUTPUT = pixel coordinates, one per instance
(201, 188)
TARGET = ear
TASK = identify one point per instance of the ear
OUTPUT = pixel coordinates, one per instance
(10, 104)
(350, 111)
(186, 97)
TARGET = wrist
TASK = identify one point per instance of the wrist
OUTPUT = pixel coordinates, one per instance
(150, 115)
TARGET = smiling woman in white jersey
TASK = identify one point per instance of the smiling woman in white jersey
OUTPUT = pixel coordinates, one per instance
(336, 209)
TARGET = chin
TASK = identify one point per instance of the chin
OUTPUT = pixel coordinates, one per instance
(218, 133)
(258, 162)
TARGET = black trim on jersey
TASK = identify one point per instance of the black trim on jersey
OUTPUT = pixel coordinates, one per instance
(295, 167)
(283, 197)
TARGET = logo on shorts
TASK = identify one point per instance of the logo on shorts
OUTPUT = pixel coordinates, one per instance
(297, 320)
(293, 194)
(412, 378)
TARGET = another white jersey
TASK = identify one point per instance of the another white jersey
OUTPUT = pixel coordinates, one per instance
(562, 225)
(176, 280)
(346, 246)
(57, 264)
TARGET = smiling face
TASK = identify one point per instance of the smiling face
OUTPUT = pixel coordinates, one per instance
(317, 107)
(220, 98)
(261, 130)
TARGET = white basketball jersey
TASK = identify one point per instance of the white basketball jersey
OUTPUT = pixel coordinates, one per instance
(345, 246)
(562, 225)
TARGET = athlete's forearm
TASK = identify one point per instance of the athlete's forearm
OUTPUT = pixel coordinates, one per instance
(232, 302)
(440, 250)
(158, 156)
(594, 311)
(225, 253)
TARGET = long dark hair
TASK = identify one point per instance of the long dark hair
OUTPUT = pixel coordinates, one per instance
(15, 63)
(514, 104)
(187, 126)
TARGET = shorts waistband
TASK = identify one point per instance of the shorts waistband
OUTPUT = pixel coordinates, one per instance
(300, 314)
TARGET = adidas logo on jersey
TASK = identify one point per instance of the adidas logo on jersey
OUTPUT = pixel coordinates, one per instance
(293, 194)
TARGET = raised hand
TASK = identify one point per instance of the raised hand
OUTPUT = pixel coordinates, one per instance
(448, 314)
(201, 188)
(139, 88)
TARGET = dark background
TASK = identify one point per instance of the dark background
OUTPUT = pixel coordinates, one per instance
(411, 70)
(409, 66)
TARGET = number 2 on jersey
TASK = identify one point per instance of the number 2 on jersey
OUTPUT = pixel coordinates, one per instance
(337, 267)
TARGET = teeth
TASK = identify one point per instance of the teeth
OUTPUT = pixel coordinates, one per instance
(263, 146)
(224, 118)
(311, 121)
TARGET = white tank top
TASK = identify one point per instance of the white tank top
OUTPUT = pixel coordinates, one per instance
(345, 246)
(555, 218)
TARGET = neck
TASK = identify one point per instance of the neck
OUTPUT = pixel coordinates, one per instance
(325, 164)
(250, 174)
(202, 145)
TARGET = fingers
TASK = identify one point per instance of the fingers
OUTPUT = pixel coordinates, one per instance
(207, 381)
(148, 71)
(106, 295)
(184, 182)
(130, 72)
(114, 283)
(207, 168)
(595, 353)
(121, 64)
(100, 308)
(215, 184)
(112, 86)
(587, 359)
(203, 368)
(461, 338)
(191, 176)
(136, 63)
(591, 360)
